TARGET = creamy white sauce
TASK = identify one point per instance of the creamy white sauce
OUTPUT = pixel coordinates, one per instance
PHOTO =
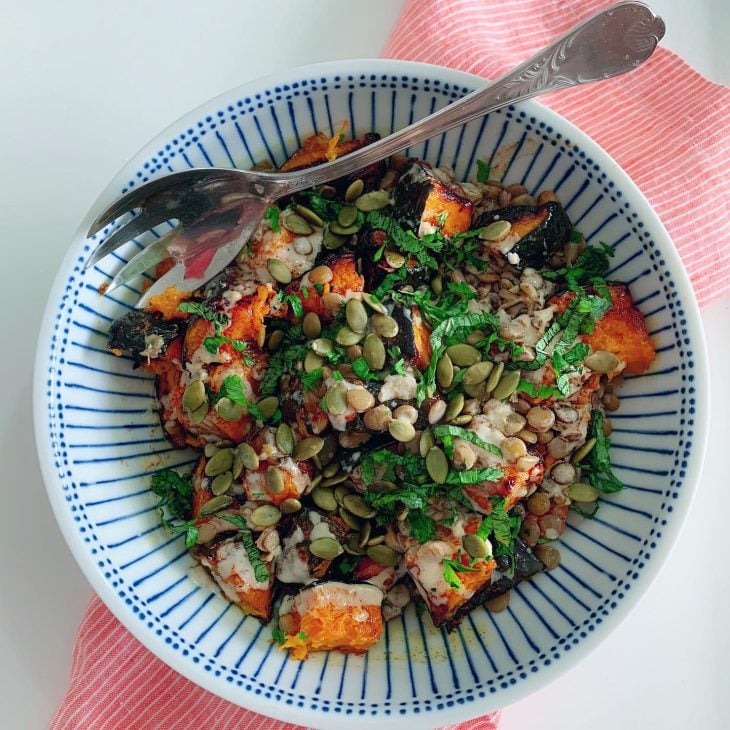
(290, 566)
(427, 570)
(341, 595)
(397, 387)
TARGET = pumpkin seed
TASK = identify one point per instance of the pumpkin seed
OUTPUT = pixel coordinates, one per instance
(581, 492)
(356, 315)
(309, 215)
(194, 396)
(274, 480)
(462, 419)
(296, 224)
(340, 230)
(329, 449)
(601, 361)
(248, 456)
(266, 515)
(312, 361)
(330, 470)
(495, 376)
(347, 216)
(311, 325)
(345, 337)
(455, 406)
(354, 190)
(374, 303)
(325, 548)
(478, 391)
(437, 285)
(332, 241)
(583, 451)
(221, 461)
(336, 400)
(507, 385)
(444, 371)
(349, 519)
(477, 373)
(374, 200)
(336, 479)
(382, 485)
(426, 442)
(275, 339)
(373, 350)
(360, 398)
(340, 492)
(290, 505)
(221, 484)
(228, 410)
(358, 506)
(210, 449)
(199, 414)
(383, 555)
(376, 540)
(268, 405)
(436, 411)
(322, 346)
(475, 336)
(394, 259)
(463, 355)
(279, 271)
(364, 536)
(284, 438)
(475, 546)
(308, 447)
(401, 430)
(496, 231)
(216, 504)
(437, 465)
(384, 325)
(324, 498)
(352, 545)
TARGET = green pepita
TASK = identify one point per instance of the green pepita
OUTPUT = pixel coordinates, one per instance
(322, 346)
(311, 325)
(284, 438)
(495, 376)
(478, 391)
(601, 361)
(455, 406)
(312, 361)
(330, 470)
(346, 337)
(463, 355)
(216, 504)
(507, 385)
(444, 371)
(210, 449)
(296, 224)
(309, 215)
(437, 285)
(496, 231)
(290, 505)
(583, 451)
(374, 200)
(376, 540)
(340, 492)
(266, 515)
(328, 450)
(221, 461)
(384, 325)
(247, 456)
(308, 447)
(364, 536)
(437, 465)
(336, 479)
(356, 316)
(275, 340)
(324, 498)
(228, 410)
(349, 519)
(325, 548)
(358, 506)
(383, 555)
(394, 259)
(581, 492)
(354, 190)
(268, 405)
(199, 414)
(279, 271)
(274, 480)
(336, 400)
(462, 420)
(374, 303)
(352, 545)
(475, 336)
(332, 241)
(340, 230)
(222, 483)
(347, 216)
(194, 396)
(401, 430)
(426, 442)
(477, 373)
(373, 350)
(475, 546)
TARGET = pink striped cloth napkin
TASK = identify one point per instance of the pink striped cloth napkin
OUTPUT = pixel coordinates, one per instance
(682, 148)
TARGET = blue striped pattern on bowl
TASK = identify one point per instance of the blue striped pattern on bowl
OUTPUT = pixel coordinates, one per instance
(99, 436)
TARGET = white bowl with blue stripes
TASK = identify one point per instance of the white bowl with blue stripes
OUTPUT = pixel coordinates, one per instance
(99, 438)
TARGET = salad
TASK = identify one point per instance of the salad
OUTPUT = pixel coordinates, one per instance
(398, 392)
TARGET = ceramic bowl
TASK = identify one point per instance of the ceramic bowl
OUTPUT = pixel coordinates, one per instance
(98, 433)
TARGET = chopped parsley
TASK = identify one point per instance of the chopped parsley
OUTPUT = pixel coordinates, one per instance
(422, 528)
(326, 209)
(293, 300)
(347, 564)
(598, 464)
(502, 527)
(589, 269)
(174, 502)
(232, 388)
(272, 216)
(218, 318)
(483, 171)
(451, 568)
(363, 371)
(310, 380)
(278, 635)
(260, 571)
(446, 433)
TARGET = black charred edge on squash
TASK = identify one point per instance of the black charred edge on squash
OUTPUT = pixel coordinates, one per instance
(526, 565)
(537, 246)
(410, 196)
(369, 241)
(129, 332)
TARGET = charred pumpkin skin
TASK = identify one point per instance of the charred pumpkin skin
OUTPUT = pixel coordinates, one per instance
(128, 333)
(542, 230)
(413, 338)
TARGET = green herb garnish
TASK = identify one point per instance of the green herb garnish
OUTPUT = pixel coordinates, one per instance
(174, 502)
(451, 568)
(310, 380)
(598, 463)
(272, 216)
(483, 171)
(446, 433)
(260, 571)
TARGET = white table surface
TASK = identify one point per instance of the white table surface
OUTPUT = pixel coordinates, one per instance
(83, 84)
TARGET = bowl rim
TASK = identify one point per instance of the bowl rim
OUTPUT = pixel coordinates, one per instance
(317, 718)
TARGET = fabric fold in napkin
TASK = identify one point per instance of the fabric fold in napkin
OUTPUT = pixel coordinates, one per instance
(668, 127)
